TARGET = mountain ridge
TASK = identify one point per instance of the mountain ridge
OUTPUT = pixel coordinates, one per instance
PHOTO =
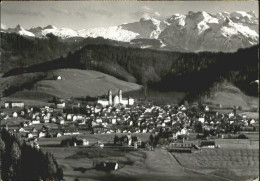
(196, 31)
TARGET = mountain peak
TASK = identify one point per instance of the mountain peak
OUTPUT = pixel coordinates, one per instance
(18, 27)
(50, 27)
(196, 30)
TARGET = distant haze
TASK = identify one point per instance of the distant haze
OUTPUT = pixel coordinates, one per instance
(90, 14)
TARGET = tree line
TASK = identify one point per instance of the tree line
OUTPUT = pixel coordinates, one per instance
(21, 161)
(162, 70)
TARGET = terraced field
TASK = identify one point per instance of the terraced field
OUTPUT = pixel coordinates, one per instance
(233, 164)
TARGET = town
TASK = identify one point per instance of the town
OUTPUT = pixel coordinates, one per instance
(112, 125)
(173, 122)
(131, 124)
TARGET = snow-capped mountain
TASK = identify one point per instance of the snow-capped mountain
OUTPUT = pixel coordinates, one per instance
(21, 31)
(147, 27)
(114, 33)
(202, 31)
(196, 31)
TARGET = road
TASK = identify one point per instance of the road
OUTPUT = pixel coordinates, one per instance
(160, 165)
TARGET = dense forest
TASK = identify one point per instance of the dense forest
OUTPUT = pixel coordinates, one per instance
(21, 161)
(19, 51)
(161, 70)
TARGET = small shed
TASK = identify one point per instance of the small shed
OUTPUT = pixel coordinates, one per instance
(207, 143)
(106, 166)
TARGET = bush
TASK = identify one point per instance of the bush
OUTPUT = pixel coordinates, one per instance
(68, 142)
(242, 136)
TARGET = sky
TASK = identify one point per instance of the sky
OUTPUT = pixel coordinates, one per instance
(91, 14)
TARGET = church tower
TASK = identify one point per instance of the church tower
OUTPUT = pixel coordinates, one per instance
(120, 96)
(110, 100)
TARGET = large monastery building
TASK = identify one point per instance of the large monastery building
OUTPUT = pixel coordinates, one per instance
(116, 100)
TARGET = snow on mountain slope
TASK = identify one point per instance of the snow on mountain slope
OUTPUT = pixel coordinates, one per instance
(37, 31)
(201, 31)
(114, 33)
(147, 27)
(232, 28)
(196, 31)
(60, 32)
(21, 31)
(177, 19)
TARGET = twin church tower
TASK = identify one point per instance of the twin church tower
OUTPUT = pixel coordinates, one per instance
(116, 100)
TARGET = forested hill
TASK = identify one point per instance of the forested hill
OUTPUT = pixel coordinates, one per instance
(17, 50)
(161, 69)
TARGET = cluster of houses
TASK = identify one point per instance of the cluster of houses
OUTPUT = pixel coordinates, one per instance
(176, 121)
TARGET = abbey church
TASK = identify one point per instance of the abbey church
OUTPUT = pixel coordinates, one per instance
(116, 100)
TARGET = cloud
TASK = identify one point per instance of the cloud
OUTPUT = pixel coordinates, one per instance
(3, 27)
(22, 12)
(83, 12)
(146, 11)
(59, 10)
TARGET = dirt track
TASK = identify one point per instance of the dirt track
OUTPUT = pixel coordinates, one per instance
(160, 165)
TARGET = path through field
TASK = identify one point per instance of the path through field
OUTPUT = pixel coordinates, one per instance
(160, 165)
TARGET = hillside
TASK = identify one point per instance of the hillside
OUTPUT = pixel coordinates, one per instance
(74, 83)
(21, 51)
(161, 70)
(229, 95)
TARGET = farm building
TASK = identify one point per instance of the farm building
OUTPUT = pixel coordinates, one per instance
(183, 147)
(207, 143)
(60, 105)
(82, 142)
(14, 104)
(181, 150)
(106, 166)
(59, 77)
(15, 115)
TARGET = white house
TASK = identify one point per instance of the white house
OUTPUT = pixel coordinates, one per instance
(58, 135)
(7, 105)
(114, 121)
(202, 120)
(61, 121)
(103, 102)
(41, 134)
(184, 131)
(60, 105)
(14, 104)
(22, 130)
(207, 108)
(15, 115)
(29, 135)
(69, 116)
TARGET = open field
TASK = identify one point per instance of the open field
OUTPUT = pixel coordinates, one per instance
(73, 83)
(232, 163)
(234, 160)
(134, 165)
(229, 95)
